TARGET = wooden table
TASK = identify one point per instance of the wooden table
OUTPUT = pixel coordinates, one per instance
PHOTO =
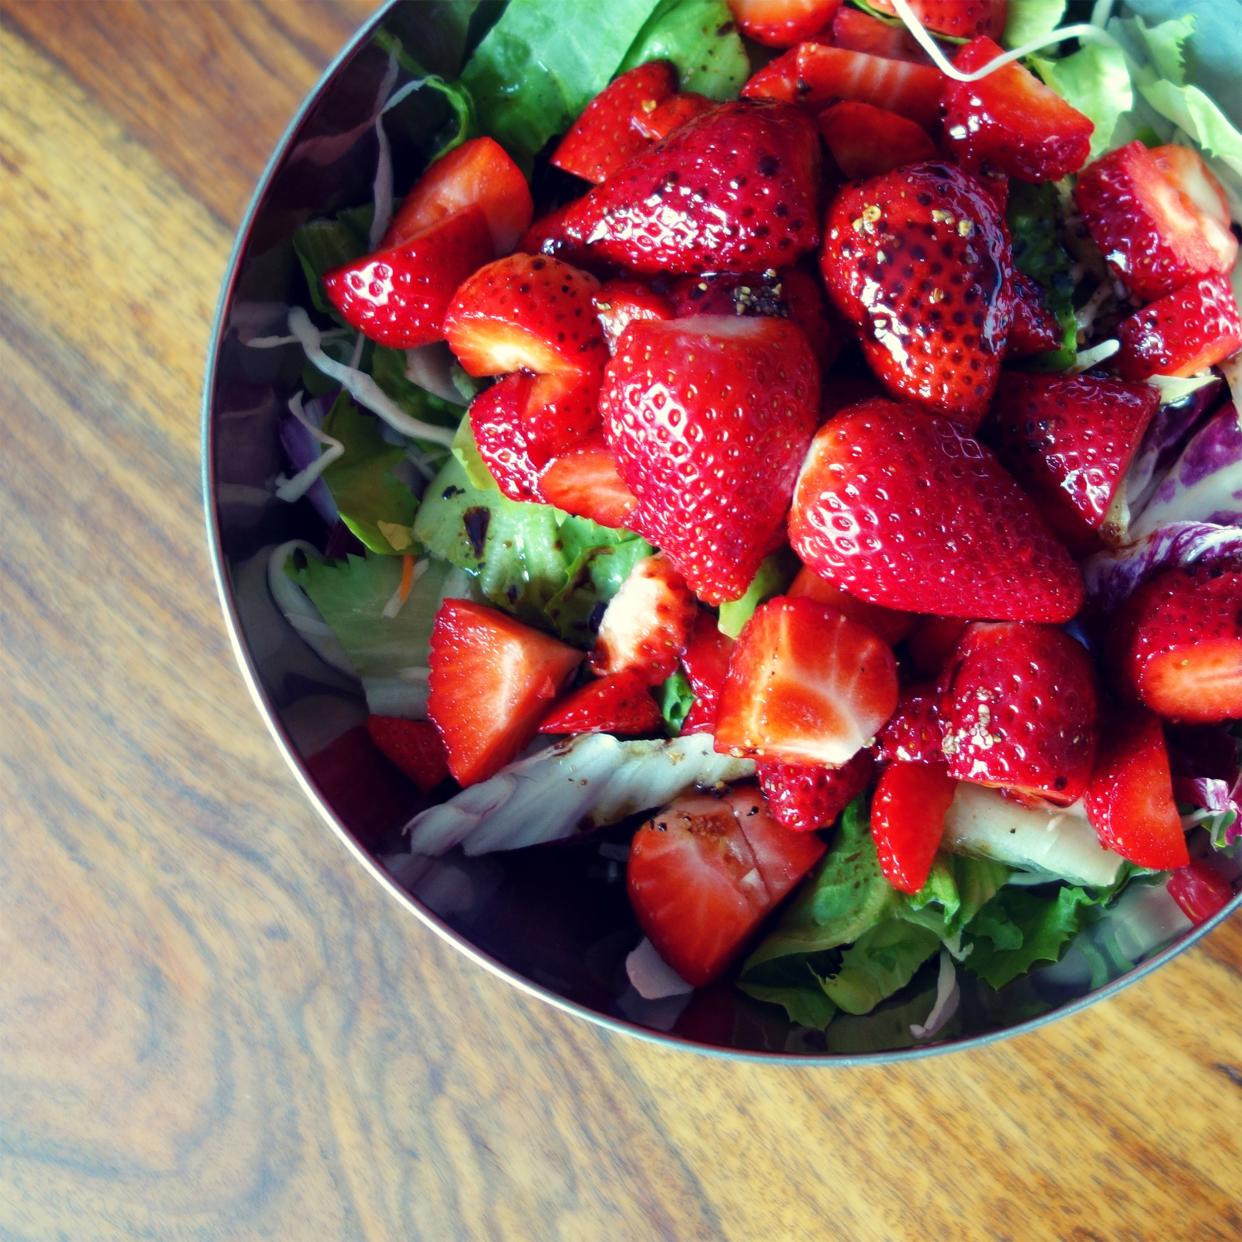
(213, 1025)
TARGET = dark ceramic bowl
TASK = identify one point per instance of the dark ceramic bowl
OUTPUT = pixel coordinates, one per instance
(553, 921)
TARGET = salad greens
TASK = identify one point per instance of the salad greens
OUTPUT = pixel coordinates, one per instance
(699, 37)
(771, 578)
(1033, 215)
(675, 697)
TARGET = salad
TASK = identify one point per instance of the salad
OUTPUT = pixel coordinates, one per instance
(799, 440)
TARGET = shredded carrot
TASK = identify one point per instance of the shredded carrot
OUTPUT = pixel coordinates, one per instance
(407, 578)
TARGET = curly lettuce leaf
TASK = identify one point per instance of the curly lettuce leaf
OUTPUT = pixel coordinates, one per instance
(771, 578)
(1029, 20)
(700, 38)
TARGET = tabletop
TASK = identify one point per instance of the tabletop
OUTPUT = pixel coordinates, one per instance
(213, 1023)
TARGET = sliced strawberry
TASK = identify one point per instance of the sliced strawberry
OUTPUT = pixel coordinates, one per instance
(1018, 711)
(585, 482)
(414, 746)
(498, 423)
(671, 114)
(705, 872)
(706, 661)
(398, 297)
(712, 464)
(813, 74)
(561, 412)
(806, 685)
(1010, 121)
(907, 821)
(932, 641)
(1177, 643)
(620, 704)
(959, 19)
(480, 174)
(1034, 328)
(782, 23)
(619, 302)
(806, 306)
(603, 137)
(866, 141)
(860, 32)
(1069, 439)
(891, 626)
(1150, 231)
(1185, 331)
(1187, 171)
(805, 798)
(735, 188)
(920, 261)
(902, 509)
(558, 235)
(913, 735)
(1130, 799)
(491, 681)
(645, 625)
(525, 312)
(1201, 892)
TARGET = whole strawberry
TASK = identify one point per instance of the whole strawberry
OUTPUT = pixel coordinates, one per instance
(919, 261)
(709, 418)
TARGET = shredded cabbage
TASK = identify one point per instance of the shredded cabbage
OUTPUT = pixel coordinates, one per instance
(306, 478)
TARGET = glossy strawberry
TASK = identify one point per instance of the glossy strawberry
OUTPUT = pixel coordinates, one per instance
(959, 19)
(860, 32)
(1018, 710)
(706, 661)
(557, 234)
(804, 797)
(497, 419)
(414, 746)
(620, 704)
(1200, 890)
(645, 625)
(902, 509)
(1187, 170)
(919, 261)
(865, 140)
(907, 821)
(585, 481)
(1034, 328)
(1185, 331)
(1010, 121)
(735, 188)
(913, 734)
(619, 302)
(671, 114)
(398, 297)
(891, 626)
(1068, 440)
(805, 685)
(782, 23)
(932, 641)
(712, 464)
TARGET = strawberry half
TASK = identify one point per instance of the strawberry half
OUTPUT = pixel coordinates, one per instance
(1069, 439)
(557, 235)
(907, 821)
(865, 140)
(736, 188)
(782, 23)
(860, 32)
(914, 734)
(891, 626)
(1196, 181)
(706, 661)
(491, 680)
(480, 174)
(398, 297)
(805, 685)
(1177, 643)
(604, 137)
(620, 704)
(1130, 799)
(919, 260)
(619, 302)
(1200, 890)
(712, 464)
(585, 482)
(671, 114)
(414, 746)
(1182, 333)
(705, 872)
(1010, 121)
(1034, 328)
(901, 508)
(959, 19)
(497, 419)
(805, 798)
(1018, 711)
(645, 625)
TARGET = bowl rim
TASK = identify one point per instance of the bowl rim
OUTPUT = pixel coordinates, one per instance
(407, 900)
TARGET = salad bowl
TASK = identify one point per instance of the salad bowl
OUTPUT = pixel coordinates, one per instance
(553, 921)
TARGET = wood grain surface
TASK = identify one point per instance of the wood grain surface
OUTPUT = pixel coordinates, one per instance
(214, 1025)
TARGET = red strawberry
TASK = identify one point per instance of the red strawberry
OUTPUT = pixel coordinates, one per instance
(645, 625)
(1069, 439)
(620, 704)
(706, 661)
(414, 746)
(1151, 232)
(398, 297)
(618, 302)
(1018, 710)
(804, 798)
(1199, 890)
(525, 312)
(705, 872)
(491, 681)
(1194, 179)
(1010, 121)
(1182, 333)
(1177, 643)
(712, 464)
(891, 626)
(496, 419)
(585, 482)
(901, 508)
(866, 141)
(480, 174)
(932, 641)
(806, 306)
(671, 114)
(1130, 799)
(860, 32)
(603, 137)
(557, 235)
(782, 23)
(736, 187)
(959, 19)
(806, 685)
(814, 74)
(907, 821)
(1034, 327)
(913, 735)
(919, 260)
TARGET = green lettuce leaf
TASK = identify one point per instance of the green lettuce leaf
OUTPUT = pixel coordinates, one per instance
(772, 577)
(387, 367)
(880, 962)
(1028, 20)
(700, 38)
(324, 244)
(1033, 218)
(1095, 80)
(676, 698)
(956, 890)
(594, 575)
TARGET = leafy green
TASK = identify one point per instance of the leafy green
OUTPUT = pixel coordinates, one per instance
(880, 962)
(956, 890)
(324, 244)
(374, 503)
(387, 368)
(594, 575)
(676, 698)
(700, 38)
(1029, 20)
(771, 578)
(1096, 80)
(1033, 218)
